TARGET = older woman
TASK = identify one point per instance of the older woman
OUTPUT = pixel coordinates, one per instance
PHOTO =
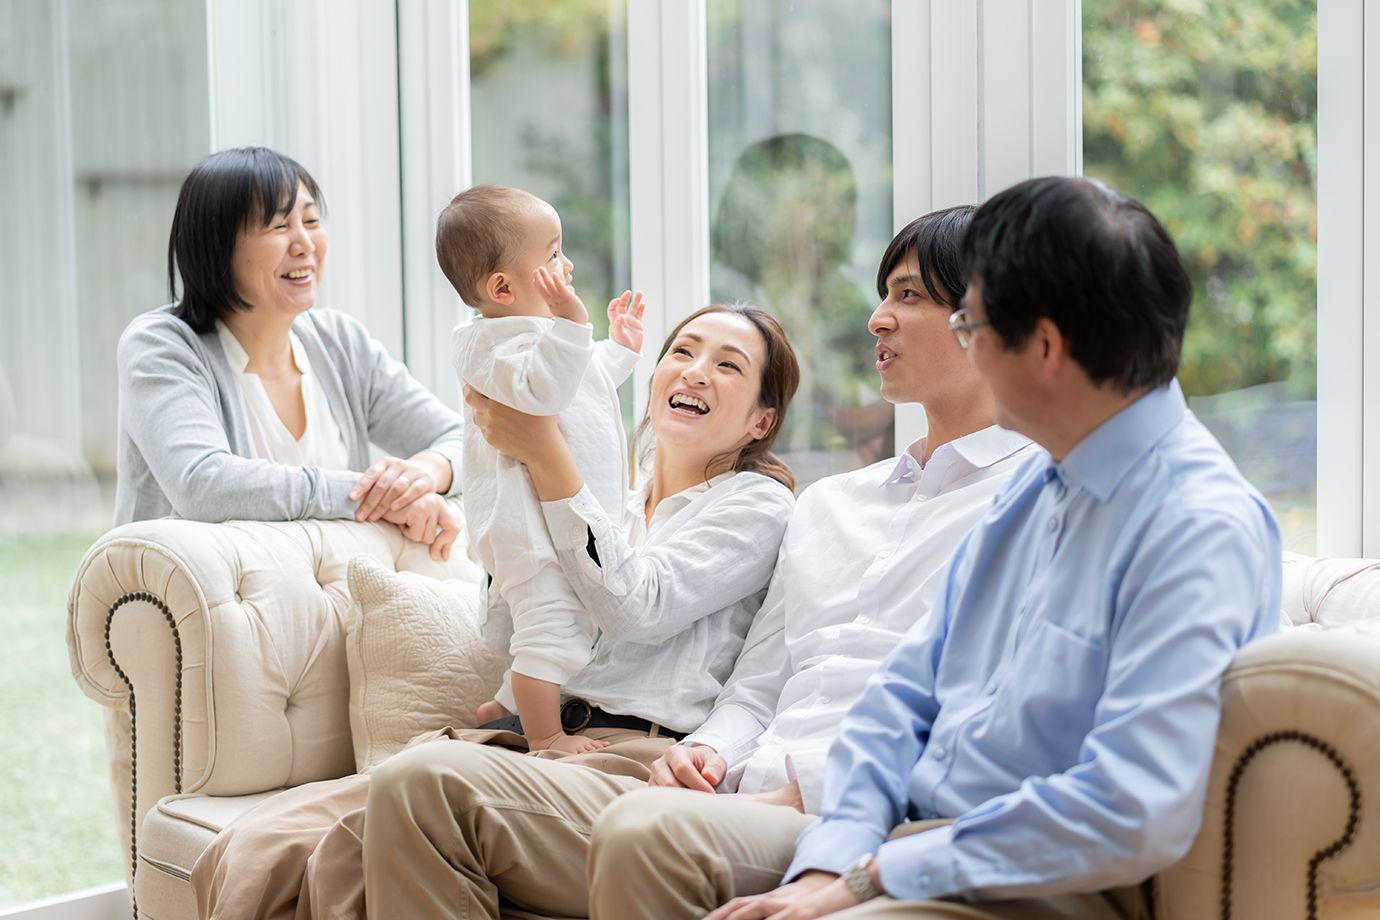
(673, 588)
(238, 400)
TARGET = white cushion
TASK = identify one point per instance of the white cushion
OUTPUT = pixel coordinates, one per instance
(416, 658)
(175, 833)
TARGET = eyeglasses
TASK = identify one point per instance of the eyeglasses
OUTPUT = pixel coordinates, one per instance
(962, 327)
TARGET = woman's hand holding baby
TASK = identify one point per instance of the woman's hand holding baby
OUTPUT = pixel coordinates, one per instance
(533, 440)
(560, 297)
(625, 320)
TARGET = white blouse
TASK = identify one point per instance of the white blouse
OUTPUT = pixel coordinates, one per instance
(321, 444)
(673, 598)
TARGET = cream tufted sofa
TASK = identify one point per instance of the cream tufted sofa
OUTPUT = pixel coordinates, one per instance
(218, 651)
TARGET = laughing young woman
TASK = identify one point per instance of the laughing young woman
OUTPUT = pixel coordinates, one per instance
(673, 588)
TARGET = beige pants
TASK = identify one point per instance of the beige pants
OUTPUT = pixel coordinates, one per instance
(670, 853)
(299, 854)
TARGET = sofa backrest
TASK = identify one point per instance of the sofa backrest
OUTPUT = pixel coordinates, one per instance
(1330, 592)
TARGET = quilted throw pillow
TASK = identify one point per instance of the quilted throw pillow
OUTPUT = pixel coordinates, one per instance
(416, 656)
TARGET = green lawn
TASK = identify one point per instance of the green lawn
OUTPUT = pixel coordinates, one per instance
(57, 822)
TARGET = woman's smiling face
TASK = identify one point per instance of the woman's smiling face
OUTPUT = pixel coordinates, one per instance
(278, 267)
(705, 390)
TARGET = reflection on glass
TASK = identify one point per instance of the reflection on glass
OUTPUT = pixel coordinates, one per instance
(1209, 117)
(800, 194)
(548, 91)
(102, 110)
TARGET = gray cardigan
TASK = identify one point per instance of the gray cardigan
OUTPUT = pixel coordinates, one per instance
(184, 445)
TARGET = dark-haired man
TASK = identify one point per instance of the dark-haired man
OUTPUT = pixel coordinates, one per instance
(1040, 743)
(860, 563)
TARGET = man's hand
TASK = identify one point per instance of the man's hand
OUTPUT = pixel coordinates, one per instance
(689, 766)
(430, 520)
(625, 320)
(560, 297)
(814, 894)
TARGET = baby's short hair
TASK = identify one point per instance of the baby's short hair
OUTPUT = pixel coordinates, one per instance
(477, 234)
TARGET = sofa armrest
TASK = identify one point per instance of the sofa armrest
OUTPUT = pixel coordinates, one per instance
(219, 650)
(1290, 825)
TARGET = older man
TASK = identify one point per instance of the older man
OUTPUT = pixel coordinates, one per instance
(1039, 743)
(860, 565)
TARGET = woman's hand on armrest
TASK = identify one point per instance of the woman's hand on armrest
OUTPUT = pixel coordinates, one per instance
(392, 484)
(533, 440)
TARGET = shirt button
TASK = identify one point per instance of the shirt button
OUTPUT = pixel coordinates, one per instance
(864, 620)
(884, 554)
(991, 688)
(826, 699)
(940, 752)
(1053, 524)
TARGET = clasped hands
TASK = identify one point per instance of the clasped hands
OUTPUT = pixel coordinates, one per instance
(405, 492)
(814, 894)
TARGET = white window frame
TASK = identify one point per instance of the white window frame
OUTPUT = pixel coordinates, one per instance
(995, 97)
(106, 902)
(668, 173)
(1348, 243)
(317, 80)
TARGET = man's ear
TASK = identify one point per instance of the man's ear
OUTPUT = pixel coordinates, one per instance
(498, 288)
(759, 429)
(1054, 347)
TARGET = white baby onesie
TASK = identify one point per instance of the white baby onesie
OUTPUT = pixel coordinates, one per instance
(541, 366)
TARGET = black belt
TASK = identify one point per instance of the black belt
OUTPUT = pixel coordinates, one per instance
(577, 715)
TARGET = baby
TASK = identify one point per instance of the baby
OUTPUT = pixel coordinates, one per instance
(531, 347)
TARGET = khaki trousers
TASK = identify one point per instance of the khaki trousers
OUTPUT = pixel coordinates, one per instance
(299, 854)
(671, 853)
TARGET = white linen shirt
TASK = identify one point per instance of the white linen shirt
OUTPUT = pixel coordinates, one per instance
(860, 564)
(673, 597)
(321, 443)
(541, 366)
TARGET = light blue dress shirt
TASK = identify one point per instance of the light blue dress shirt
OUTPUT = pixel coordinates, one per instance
(1061, 702)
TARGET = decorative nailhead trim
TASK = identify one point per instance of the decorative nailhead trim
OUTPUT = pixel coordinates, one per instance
(147, 598)
(1341, 843)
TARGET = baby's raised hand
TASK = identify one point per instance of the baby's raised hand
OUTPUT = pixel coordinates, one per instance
(560, 297)
(625, 320)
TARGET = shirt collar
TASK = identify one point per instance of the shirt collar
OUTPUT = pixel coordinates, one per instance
(977, 450)
(238, 358)
(637, 498)
(1101, 460)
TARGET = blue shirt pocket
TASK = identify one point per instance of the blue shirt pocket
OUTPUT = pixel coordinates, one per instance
(1047, 701)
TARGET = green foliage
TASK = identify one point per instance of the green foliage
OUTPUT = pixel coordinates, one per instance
(1207, 113)
(568, 26)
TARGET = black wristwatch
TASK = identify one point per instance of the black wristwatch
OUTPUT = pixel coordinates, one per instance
(859, 880)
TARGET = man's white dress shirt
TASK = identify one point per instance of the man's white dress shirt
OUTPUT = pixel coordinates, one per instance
(860, 564)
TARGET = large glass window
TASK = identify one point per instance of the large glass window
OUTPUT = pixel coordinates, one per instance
(800, 192)
(102, 110)
(1208, 115)
(549, 114)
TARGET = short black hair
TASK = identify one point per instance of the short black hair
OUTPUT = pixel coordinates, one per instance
(1096, 263)
(219, 197)
(935, 241)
